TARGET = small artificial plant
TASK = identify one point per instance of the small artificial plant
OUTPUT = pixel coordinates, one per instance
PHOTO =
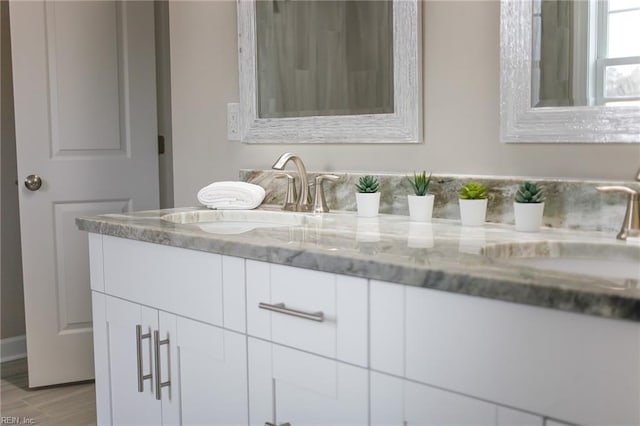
(420, 183)
(473, 191)
(367, 185)
(529, 192)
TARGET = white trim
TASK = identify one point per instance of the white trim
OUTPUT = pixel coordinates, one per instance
(404, 125)
(520, 122)
(13, 348)
(582, 41)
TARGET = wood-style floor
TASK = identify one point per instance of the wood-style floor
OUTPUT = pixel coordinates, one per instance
(68, 405)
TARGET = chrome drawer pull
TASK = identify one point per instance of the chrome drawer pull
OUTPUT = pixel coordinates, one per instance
(281, 308)
(141, 377)
(159, 383)
(273, 424)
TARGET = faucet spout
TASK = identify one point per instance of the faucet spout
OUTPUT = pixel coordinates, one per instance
(302, 204)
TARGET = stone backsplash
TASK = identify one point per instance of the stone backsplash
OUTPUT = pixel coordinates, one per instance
(571, 204)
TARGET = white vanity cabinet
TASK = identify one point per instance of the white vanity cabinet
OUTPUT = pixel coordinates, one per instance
(167, 333)
(290, 386)
(396, 401)
(306, 331)
(575, 368)
(249, 342)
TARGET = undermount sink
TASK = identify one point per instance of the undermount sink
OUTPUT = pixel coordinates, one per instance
(237, 221)
(608, 261)
(604, 268)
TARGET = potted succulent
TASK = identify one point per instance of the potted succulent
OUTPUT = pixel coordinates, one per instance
(420, 204)
(473, 204)
(528, 207)
(367, 197)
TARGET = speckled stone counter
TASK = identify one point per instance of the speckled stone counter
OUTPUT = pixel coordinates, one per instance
(441, 255)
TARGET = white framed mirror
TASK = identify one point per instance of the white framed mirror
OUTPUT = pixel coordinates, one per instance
(561, 77)
(320, 71)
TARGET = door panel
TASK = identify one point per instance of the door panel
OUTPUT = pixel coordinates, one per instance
(75, 33)
(72, 262)
(85, 111)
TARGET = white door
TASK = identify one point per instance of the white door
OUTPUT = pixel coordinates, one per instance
(85, 107)
(208, 373)
(290, 386)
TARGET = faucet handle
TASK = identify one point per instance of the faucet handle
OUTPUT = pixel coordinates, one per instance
(320, 203)
(631, 222)
(617, 188)
(291, 196)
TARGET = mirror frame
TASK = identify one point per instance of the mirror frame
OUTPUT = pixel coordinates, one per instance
(404, 125)
(521, 123)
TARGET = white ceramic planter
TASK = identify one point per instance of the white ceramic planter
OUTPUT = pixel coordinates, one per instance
(528, 216)
(473, 212)
(368, 204)
(421, 207)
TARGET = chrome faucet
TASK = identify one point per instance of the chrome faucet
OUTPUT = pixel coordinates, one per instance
(302, 204)
(631, 222)
(301, 201)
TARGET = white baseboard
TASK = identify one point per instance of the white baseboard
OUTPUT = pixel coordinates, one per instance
(13, 348)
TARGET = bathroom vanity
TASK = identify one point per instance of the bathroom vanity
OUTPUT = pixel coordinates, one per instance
(270, 318)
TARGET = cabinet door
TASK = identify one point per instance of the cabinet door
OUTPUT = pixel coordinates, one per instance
(289, 386)
(396, 401)
(101, 357)
(128, 405)
(578, 368)
(509, 417)
(208, 367)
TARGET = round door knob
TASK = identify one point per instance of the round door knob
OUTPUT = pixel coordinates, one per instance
(33, 182)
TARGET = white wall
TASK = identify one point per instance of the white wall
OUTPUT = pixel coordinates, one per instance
(12, 301)
(461, 110)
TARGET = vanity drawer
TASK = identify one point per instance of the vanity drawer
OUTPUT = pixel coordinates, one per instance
(176, 280)
(342, 300)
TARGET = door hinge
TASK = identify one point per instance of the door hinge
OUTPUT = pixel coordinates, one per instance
(160, 144)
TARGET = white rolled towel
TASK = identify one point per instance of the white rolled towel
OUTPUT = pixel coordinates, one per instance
(231, 195)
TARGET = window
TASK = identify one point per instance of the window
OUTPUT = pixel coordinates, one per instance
(585, 52)
(617, 61)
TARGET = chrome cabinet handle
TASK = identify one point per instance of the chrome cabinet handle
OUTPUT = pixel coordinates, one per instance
(33, 182)
(141, 376)
(273, 424)
(282, 309)
(159, 383)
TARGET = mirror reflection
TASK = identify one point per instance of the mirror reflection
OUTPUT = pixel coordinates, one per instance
(321, 58)
(585, 53)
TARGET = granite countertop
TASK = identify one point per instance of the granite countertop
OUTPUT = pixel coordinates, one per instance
(441, 255)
